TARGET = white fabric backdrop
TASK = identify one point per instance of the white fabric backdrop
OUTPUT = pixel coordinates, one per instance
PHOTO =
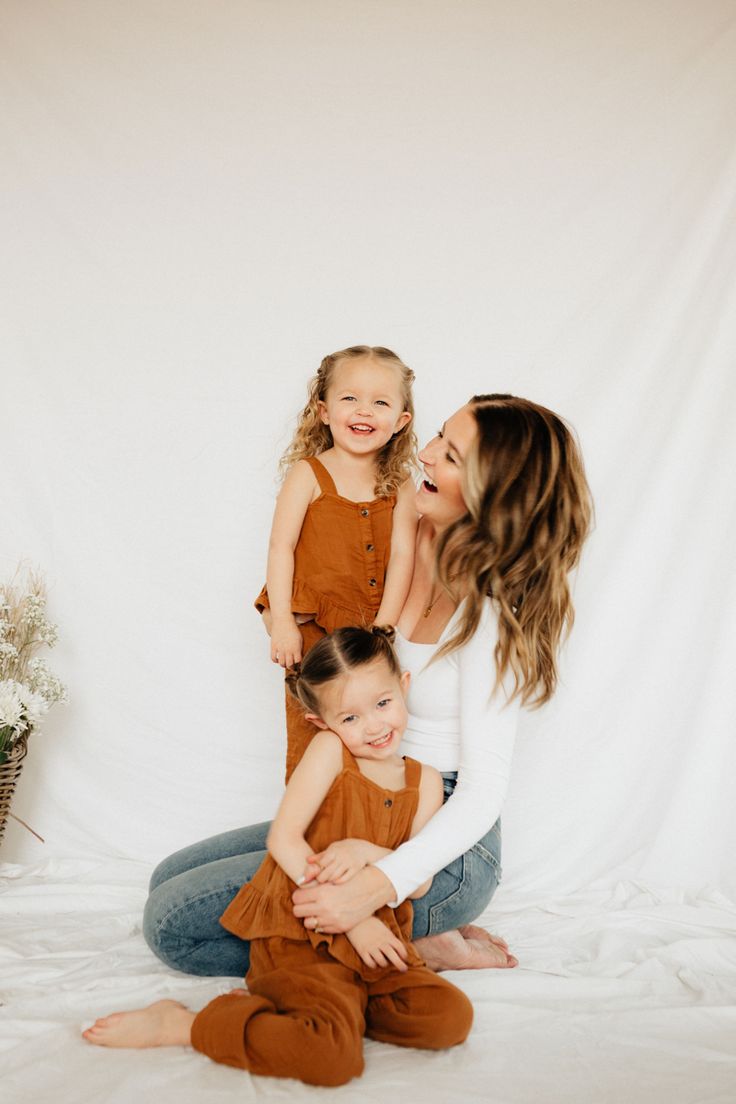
(202, 199)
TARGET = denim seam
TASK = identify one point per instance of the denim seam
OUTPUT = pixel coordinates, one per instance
(486, 855)
(192, 900)
(434, 909)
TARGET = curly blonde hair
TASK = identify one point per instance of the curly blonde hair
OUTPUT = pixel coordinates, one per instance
(529, 511)
(397, 459)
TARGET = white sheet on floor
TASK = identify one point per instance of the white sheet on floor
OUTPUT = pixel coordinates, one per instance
(624, 995)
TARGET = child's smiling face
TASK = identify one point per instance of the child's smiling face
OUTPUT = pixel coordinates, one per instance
(364, 406)
(365, 707)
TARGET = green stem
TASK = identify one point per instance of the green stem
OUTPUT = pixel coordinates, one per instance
(6, 735)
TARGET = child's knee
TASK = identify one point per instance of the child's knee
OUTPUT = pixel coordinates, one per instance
(433, 1016)
(343, 1069)
(455, 1020)
(331, 1066)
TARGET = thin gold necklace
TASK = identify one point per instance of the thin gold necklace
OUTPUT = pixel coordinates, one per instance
(437, 595)
(435, 598)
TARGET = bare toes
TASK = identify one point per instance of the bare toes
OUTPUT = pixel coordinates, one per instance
(472, 931)
(109, 1021)
(164, 1023)
(484, 955)
(457, 950)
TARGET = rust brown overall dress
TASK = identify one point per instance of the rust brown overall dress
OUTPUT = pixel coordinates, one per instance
(340, 563)
(311, 998)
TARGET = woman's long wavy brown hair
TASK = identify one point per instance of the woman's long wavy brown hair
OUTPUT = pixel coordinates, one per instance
(397, 459)
(529, 512)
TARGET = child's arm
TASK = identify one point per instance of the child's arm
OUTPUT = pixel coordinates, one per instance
(343, 859)
(401, 560)
(431, 798)
(307, 789)
(377, 945)
(288, 518)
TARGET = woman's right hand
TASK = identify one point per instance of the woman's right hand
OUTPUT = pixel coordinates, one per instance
(286, 641)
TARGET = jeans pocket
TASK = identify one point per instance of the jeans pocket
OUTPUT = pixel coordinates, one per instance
(454, 887)
(488, 848)
(491, 857)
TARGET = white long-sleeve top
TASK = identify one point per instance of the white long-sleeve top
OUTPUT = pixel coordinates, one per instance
(456, 723)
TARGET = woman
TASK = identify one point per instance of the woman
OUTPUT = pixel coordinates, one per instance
(505, 509)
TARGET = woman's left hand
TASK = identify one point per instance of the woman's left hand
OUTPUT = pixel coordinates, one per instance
(338, 908)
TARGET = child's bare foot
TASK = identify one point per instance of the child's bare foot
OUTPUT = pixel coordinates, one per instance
(461, 950)
(165, 1023)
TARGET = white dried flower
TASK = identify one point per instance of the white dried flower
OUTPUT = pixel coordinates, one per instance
(11, 706)
(34, 618)
(47, 632)
(45, 683)
(34, 610)
(27, 687)
(34, 705)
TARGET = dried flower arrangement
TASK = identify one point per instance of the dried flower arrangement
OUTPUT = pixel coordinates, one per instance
(27, 687)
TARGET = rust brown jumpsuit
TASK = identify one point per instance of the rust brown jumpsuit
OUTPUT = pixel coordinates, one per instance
(340, 563)
(311, 999)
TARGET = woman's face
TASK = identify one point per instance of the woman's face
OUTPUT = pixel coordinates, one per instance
(440, 497)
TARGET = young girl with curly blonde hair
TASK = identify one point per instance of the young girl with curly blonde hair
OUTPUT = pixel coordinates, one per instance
(341, 550)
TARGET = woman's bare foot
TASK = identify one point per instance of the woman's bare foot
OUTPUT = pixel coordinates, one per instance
(472, 931)
(165, 1023)
(465, 950)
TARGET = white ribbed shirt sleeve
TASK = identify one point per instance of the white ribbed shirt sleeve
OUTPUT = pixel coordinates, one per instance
(488, 727)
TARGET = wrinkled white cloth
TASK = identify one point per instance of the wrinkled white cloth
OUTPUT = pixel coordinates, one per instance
(622, 994)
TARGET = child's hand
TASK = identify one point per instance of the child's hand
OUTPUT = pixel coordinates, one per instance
(376, 945)
(286, 641)
(339, 862)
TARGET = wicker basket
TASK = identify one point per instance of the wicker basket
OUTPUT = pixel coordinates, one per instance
(9, 775)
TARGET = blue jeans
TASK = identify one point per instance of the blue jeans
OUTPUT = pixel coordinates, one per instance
(191, 889)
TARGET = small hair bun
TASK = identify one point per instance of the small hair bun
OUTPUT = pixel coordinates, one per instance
(388, 632)
(293, 675)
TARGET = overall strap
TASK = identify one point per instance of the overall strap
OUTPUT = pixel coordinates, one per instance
(348, 761)
(412, 773)
(321, 474)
